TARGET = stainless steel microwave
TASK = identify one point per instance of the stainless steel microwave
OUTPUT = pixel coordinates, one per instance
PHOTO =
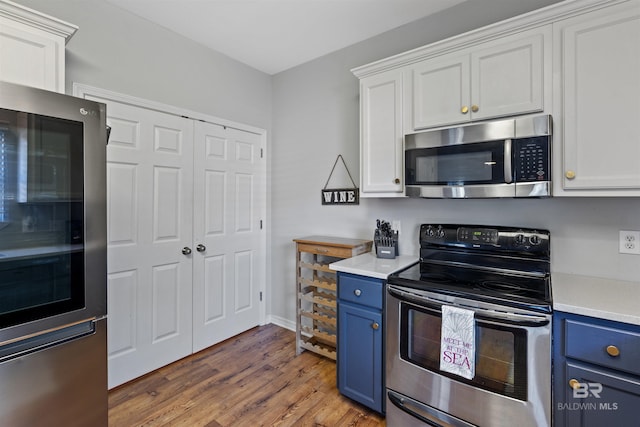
(502, 158)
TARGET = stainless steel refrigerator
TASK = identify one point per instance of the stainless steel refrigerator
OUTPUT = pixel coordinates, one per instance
(53, 270)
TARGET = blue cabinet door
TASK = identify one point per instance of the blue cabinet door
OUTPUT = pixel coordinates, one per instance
(607, 386)
(360, 335)
(609, 399)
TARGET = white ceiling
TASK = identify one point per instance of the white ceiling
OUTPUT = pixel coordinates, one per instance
(275, 35)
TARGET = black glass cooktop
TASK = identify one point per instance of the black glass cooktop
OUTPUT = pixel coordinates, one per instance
(503, 287)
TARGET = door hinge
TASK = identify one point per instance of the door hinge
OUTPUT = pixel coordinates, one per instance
(260, 295)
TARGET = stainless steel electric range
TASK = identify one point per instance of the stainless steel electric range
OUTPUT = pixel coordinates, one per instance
(496, 282)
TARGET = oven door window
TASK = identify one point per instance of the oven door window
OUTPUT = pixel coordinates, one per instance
(464, 164)
(41, 217)
(501, 351)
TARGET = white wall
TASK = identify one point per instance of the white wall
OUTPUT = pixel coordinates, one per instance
(115, 50)
(316, 118)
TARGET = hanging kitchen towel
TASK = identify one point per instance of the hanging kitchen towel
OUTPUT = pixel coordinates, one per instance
(458, 342)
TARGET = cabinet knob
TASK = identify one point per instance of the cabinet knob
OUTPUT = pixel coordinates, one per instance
(375, 326)
(201, 248)
(475, 108)
(464, 109)
(570, 174)
(574, 383)
(613, 351)
(396, 181)
(357, 292)
(186, 250)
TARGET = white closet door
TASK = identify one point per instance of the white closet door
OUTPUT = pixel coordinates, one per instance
(149, 203)
(228, 269)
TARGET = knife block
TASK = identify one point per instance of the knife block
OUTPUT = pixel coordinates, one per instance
(386, 247)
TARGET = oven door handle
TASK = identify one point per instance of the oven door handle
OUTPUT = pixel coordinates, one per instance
(423, 412)
(524, 320)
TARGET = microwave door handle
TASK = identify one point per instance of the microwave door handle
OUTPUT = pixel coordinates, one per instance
(508, 172)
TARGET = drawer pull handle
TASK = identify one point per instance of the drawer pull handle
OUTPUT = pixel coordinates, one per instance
(357, 292)
(375, 326)
(574, 383)
(613, 351)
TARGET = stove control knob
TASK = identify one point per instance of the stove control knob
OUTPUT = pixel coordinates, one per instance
(534, 239)
(439, 232)
(520, 239)
(430, 231)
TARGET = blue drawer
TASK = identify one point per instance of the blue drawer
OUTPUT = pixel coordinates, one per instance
(367, 291)
(605, 344)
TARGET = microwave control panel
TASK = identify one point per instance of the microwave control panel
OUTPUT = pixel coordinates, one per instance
(532, 161)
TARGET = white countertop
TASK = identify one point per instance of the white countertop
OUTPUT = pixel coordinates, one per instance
(591, 296)
(371, 266)
(609, 299)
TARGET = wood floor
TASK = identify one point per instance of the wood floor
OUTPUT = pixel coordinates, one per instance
(254, 379)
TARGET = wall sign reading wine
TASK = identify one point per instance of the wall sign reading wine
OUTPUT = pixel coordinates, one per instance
(340, 196)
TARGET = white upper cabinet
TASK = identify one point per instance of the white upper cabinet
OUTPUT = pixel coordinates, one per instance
(381, 135)
(441, 91)
(502, 77)
(597, 102)
(578, 60)
(32, 47)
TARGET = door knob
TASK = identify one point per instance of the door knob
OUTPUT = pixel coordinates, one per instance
(201, 248)
(186, 250)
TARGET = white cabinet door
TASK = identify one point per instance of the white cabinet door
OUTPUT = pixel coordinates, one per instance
(441, 91)
(149, 205)
(229, 258)
(498, 78)
(381, 135)
(508, 78)
(599, 103)
(32, 47)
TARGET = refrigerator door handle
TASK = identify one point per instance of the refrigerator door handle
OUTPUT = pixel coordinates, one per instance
(33, 343)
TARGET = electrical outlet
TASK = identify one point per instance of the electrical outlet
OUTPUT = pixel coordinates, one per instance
(629, 242)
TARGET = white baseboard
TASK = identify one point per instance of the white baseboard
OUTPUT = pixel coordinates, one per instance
(281, 321)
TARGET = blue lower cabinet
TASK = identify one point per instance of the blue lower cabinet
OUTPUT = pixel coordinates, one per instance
(596, 372)
(360, 340)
